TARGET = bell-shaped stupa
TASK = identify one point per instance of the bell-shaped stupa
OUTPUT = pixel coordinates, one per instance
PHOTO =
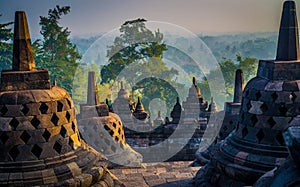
(270, 102)
(39, 139)
(104, 130)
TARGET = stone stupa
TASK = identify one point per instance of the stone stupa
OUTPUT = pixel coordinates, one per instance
(270, 102)
(39, 139)
(104, 130)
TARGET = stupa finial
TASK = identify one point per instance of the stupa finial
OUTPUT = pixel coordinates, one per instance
(23, 58)
(288, 39)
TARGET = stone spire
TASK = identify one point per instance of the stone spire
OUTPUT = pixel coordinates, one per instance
(122, 85)
(159, 120)
(238, 86)
(139, 106)
(257, 145)
(194, 81)
(40, 142)
(176, 112)
(92, 95)
(288, 39)
(213, 106)
(23, 58)
(24, 75)
(140, 112)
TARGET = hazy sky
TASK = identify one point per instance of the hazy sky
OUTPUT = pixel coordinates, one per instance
(198, 16)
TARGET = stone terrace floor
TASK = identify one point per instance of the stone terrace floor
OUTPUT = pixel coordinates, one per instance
(163, 174)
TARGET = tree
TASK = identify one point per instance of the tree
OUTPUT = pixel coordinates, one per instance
(228, 68)
(136, 56)
(135, 43)
(5, 45)
(56, 52)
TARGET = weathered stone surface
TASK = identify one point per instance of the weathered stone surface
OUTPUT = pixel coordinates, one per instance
(269, 104)
(104, 130)
(40, 143)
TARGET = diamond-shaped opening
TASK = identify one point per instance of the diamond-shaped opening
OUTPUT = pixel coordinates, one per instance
(68, 116)
(46, 135)
(25, 136)
(274, 96)
(254, 119)
(117, 138)
(106, 128)
(264, 107)
(14, 123)
(59, 106)
(69, 103)
(119, 131)
(57, 147)
(260, 135)
(35, 122)
(63, 131)
(244, 132)
(4, 137)
(54, 119)
(293, 97)
(283, 109)
(257, 95)
(73, 127)
(114, 125)
(271, 122)
(280, 138)
(44, 108)
(14, 152)
(3, 110)
(24, 109)
(36, 150)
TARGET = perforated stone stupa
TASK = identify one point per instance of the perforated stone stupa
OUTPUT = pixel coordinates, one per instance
(230, 120)
(104, 130)
(39, 139)
(270, 102)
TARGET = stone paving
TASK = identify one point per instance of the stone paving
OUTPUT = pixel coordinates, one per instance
(163, 174)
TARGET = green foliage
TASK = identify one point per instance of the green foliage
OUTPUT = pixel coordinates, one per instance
(56, 52)
(136, 57)
(135, 43)
(5, 46)
(228, 68)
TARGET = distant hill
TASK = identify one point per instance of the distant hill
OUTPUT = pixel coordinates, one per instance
(257, 45)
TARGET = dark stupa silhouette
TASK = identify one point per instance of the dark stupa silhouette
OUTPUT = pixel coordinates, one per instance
(270, 101)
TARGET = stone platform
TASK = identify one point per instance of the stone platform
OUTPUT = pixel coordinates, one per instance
(163, 174)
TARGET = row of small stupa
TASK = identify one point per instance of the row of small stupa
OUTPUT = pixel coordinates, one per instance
(39, 138)
(264, 148)
(134, 116)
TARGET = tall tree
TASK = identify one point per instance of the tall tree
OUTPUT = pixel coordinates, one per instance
(56, 51)
(136, 55)
(228, 68)
(136, 42)
(5, 45)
